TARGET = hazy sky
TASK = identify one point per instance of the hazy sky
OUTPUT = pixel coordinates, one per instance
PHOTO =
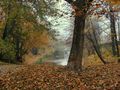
(64, 23)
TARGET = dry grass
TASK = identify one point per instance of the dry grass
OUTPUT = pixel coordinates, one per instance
(94, 60)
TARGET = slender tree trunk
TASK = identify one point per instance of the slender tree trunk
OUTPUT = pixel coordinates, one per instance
(97, 49)
(76, 54)
(113, 38)
(118, 28)
(96, 45)
(9, 27)
(113, 32)
(18, 49)
(115, 47)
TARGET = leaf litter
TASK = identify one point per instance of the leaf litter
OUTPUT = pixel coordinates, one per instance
(54, 77)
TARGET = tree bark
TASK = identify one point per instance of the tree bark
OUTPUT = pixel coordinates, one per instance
(18, 50)
(8, 29)
(76, 53)
(96, 45)
(75, 59)
(115, 47)
(118, 28)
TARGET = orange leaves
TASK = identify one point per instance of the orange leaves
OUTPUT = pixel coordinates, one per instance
(97, 8)
(52, 77)
(116, 2)
(44, 76)
(106, 80)
(34, 38)
(77, 11)
(100, 7)
(37, 39)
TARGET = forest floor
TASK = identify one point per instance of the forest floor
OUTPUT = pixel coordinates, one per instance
(54, 77)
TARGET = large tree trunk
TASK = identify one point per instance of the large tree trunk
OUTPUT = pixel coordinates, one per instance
(75, 58)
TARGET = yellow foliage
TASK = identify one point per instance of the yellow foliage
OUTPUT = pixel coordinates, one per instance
(1, 28)
(94, 60)
(108, 56)
(114, 1)
(37, 39)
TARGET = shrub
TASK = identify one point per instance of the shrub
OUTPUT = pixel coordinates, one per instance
(7, 51)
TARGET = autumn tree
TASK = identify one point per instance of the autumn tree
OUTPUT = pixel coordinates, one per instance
(75, 59)
(23, 25)
(81, 7)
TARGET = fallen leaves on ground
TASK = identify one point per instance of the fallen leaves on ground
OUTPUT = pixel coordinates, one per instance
(40, 77)
(54, 77)
(102, 77)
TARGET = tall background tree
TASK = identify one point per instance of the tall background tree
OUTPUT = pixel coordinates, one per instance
(24, 22)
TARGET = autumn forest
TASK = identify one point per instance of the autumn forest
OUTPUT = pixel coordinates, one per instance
(59, 45)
